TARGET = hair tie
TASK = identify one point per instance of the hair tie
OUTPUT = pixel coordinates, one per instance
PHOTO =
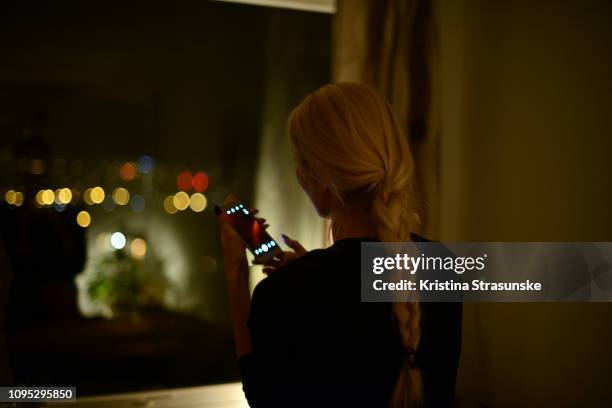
(410, 358)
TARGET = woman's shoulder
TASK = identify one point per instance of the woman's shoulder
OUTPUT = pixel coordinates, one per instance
(306, 264)
(306, 273)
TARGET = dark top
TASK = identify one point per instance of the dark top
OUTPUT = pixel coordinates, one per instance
(315, 344)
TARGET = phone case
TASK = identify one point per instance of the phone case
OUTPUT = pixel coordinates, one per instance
(263, 247)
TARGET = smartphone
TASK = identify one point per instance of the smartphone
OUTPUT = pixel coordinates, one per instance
(252, 232)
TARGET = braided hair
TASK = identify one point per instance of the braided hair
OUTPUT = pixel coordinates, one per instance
(347, 136)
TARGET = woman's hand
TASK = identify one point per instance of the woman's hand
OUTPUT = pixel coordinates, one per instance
(233, 247)
(234, 255)
(237, 280)
(298, 250)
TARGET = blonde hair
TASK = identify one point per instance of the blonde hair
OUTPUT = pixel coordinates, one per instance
(347, 136)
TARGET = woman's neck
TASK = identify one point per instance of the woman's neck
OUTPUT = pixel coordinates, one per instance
(347, 222)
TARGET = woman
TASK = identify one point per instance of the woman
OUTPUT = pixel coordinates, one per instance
(305, 339)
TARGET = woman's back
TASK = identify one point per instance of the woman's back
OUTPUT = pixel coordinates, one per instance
(310, 341)
(316, 344)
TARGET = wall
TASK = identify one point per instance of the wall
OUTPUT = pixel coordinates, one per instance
(523, 94)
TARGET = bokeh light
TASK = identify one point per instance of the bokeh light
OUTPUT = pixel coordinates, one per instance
(59, 207)
(181, 200)
(10, 196)
(87, 197)
(14, 197)
(137, 203)
(18, 199)
(138, 248)
(83, 219)
(127, 172)
(200, 181)
(184, 181)
(38, 199)
(197, 202)
(169, 205)
(145, 164)
(47, 197)
(121, 196)
(97, 195)
(117, 240)
(63, 196)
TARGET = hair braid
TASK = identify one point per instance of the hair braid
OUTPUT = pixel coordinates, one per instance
(395, 218)
(347, 136)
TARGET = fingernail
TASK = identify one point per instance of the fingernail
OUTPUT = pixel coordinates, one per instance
(217, 210)
(285, 238)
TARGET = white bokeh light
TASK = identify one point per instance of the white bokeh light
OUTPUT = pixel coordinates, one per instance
(117, 240)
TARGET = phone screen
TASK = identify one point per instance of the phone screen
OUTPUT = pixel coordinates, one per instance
(252, 232)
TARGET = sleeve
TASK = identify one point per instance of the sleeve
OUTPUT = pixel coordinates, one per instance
(260, 370)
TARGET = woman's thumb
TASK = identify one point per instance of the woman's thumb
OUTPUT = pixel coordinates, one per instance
(293, 244)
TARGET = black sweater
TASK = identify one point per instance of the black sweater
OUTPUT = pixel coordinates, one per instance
(315, 344)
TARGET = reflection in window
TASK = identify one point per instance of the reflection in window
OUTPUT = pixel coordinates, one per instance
(121, 128)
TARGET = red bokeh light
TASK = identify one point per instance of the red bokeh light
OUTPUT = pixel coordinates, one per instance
(183, 181)
(128, 171)
(200, 181)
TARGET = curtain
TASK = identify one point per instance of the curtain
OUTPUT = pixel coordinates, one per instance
(297, 64)
(388, 44)
(384, 43)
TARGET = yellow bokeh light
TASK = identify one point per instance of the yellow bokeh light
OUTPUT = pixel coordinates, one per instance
(97, 195)
(138, 248)
(18, 199)
(38, 199)
(197, 202)
(83, 219)
(169, 205)
(181, 200)
(63, 196)
(47, 197)
(121, 196)
(87, 197)
(10, 196)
